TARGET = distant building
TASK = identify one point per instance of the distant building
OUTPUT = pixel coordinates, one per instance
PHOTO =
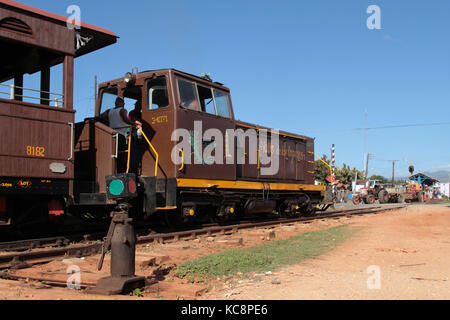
(445, 188)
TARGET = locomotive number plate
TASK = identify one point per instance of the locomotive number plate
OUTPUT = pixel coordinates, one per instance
(35, 151)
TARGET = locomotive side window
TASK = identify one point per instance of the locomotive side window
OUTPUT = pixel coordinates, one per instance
(157, 94)
(109, 96)
(188, 94)
(206, 99)
(222, 104)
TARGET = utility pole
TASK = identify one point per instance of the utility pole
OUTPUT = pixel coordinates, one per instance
(365, 134)
(367, 166)
(393, 166)
(333, 170)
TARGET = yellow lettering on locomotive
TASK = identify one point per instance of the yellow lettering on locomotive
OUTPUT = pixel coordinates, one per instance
(35, 151)
(160, 119)
(6, 185)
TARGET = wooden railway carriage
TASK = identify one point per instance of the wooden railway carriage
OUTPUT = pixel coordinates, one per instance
(36, 126)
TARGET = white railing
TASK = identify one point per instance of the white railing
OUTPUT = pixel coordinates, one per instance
(55, 98)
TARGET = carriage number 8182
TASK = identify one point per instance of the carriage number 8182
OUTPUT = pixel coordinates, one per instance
(35, 151)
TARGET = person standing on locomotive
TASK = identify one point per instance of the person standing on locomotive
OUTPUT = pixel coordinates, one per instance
(118, 120)
(137, 143)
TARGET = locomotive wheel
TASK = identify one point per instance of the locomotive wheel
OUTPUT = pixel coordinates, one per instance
(308, 210)
(174, 218)
(285, 213)
(400, 198)
(383, 196)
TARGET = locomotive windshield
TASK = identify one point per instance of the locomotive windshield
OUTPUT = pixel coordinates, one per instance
(201, 98)
(109, 95)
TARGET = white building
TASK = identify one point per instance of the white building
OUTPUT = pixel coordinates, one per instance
(445, 188)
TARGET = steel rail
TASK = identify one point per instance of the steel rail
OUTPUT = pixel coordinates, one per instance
(47, 281)
(62, 241)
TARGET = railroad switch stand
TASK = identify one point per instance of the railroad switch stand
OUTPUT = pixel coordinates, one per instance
(121, 240)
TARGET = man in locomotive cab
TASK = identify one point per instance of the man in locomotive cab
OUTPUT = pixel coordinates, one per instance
(118, 120)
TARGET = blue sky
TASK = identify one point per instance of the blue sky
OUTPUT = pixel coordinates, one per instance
(308, 67)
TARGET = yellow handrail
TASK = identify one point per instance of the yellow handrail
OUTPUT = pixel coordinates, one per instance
(331, 169)
(182, 160)
(129, 148)
(156, 153)
(259, 163)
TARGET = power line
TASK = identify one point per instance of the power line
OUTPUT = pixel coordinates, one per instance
(344, 130)
(405, 126)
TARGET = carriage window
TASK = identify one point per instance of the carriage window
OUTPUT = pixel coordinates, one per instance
(158, 96)
(222, 104)
(188, 94)
(206, 100)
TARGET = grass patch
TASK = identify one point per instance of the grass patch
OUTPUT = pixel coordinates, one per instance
(267, 256)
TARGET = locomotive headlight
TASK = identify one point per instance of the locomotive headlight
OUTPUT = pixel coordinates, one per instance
(129, 78)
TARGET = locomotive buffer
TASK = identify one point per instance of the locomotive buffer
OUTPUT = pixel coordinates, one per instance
(121, 240)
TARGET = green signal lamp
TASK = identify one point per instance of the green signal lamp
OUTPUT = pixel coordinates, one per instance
(121, 186)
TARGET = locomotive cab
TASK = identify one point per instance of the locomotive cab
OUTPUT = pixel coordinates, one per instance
(101, 150)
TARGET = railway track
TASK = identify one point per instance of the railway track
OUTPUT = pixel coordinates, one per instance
(62, 241)
(19, 260)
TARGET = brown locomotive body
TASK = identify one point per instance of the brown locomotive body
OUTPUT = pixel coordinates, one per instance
(46, 155)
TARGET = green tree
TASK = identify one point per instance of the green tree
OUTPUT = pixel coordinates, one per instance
(345, 174)
(322, 171)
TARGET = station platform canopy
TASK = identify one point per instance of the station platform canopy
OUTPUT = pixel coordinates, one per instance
(423, 179)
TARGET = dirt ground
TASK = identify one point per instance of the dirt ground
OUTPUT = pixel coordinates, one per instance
(401, 254)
